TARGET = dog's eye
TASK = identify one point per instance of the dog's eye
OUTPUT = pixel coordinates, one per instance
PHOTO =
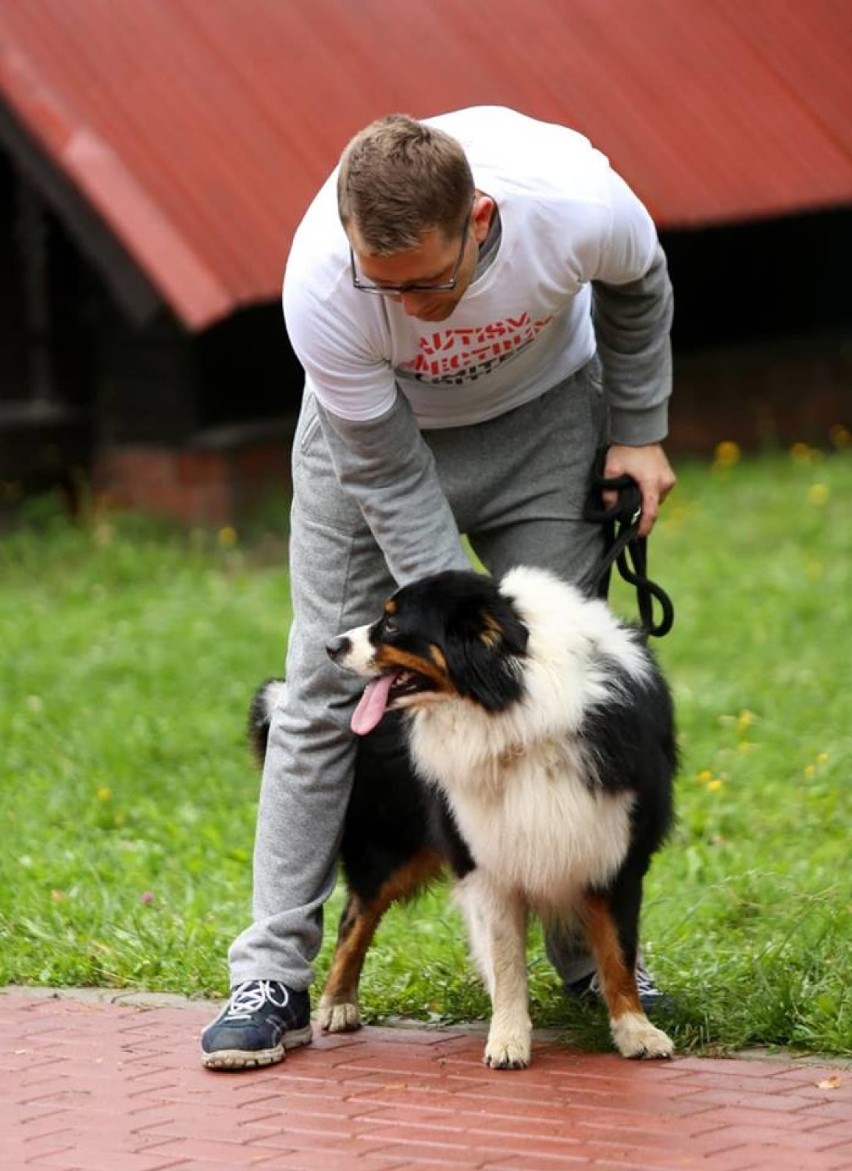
(389, 626)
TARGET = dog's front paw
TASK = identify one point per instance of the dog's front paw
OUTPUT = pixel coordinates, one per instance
(635, 1036)
(507, 1050)
(339, 1017)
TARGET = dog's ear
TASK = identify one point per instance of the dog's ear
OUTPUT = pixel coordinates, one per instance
(484, 647)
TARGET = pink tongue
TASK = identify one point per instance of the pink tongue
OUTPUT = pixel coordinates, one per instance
(371, 705)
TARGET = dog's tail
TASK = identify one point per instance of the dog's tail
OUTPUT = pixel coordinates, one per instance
(260, 712)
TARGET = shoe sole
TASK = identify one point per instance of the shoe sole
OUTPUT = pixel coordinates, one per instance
(237, 1059)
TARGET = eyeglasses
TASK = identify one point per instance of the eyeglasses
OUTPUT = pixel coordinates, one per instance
(414, 287)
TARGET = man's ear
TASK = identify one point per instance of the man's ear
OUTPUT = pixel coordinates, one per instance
(483, 213)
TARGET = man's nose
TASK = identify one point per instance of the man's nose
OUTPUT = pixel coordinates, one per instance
(410, 302)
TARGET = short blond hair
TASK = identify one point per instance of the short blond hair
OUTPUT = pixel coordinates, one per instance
(398, 178)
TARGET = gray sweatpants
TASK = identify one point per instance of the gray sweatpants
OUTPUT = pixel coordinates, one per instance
(516, 485)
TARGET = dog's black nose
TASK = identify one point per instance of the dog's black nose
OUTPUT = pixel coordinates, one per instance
(337, 647)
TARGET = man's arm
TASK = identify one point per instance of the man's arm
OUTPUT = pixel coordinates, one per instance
(633, 324)
(389, 471)
(376, 447)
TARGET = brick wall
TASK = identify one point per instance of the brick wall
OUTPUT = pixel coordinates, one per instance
(219, 479)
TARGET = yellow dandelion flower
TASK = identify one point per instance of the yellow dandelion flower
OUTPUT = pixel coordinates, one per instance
(714, 785)
(822, 757)
(840, 436)
(704, 776)
(105, 793)
(727, 453)
(809, 770)
(744, 720)
(818, 493)
(801, 452)
(227, 537)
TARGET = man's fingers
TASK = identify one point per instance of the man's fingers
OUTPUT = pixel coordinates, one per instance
(651, 470)
(650, 512)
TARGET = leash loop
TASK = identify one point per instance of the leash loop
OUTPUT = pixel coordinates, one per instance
(625, 549)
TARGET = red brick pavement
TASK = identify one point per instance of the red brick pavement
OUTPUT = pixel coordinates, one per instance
(89, 1084)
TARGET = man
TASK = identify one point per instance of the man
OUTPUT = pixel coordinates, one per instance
(480, 305)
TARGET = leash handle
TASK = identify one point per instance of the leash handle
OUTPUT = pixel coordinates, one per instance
(625, 549)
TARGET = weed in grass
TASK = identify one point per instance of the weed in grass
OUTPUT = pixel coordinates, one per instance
(131, 651)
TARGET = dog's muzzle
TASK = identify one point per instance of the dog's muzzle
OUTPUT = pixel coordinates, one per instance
(338, 648)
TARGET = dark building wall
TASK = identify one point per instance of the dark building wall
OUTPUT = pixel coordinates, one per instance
(13, 363)
(147, 381)
(247, 368)
(763, 332)
(761, 281)
(46, 368)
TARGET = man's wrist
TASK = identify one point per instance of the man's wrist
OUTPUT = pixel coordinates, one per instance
(639, 428)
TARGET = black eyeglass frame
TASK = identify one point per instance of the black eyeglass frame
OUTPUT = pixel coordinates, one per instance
(399, 290)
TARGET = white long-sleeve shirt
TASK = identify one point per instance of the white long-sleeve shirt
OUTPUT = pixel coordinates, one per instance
(578, 266)
(525, 322)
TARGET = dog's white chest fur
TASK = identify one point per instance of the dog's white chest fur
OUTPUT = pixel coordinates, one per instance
(529, 819)
(521, 785)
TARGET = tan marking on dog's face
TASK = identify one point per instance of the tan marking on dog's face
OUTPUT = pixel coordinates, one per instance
(391, 607)
(438, 655)
(492, 635)
(390, 657)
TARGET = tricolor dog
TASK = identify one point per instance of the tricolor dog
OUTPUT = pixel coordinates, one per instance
(521, 734)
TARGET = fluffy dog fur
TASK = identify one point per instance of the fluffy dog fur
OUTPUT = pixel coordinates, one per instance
(541, 735)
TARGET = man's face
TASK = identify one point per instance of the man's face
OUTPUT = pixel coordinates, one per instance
(434, 261)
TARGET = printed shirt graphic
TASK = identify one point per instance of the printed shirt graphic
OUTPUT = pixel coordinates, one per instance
(523, 325)
(460, 355)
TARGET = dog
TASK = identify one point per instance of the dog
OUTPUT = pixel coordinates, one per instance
(520, 734)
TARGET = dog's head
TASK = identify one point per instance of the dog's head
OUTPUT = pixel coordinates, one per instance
(453, 634)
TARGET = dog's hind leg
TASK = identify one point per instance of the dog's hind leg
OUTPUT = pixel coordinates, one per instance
(615, 955)
(497, 928)
(338, 1006)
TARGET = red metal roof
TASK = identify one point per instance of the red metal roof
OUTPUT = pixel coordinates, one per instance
(199, 130)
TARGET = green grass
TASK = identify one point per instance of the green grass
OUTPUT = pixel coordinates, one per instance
(130, 652)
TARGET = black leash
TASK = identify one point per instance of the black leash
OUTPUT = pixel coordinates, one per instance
(625, 549)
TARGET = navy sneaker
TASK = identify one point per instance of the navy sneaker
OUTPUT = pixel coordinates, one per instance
(259, 1023)
(650, 997)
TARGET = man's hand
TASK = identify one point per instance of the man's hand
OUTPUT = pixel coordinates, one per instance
(651, 470)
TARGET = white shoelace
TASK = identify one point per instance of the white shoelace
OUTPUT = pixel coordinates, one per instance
(249, 998)
(644, 984)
